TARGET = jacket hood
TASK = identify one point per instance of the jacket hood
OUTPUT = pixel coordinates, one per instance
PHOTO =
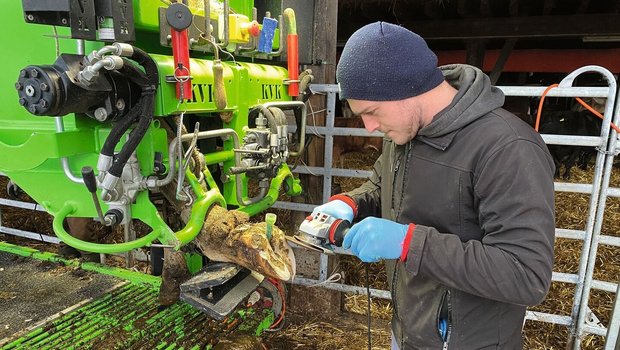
(475, 98)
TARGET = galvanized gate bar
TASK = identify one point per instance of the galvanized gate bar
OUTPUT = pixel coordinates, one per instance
(602, 168)
(611, 341)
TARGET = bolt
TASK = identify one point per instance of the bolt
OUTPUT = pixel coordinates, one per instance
(63, 21)
(18, 86)
(22, 101)
(30, 18)
(30, 90)
(32, 109)
(120, 104)
(101, 114)
(34, 73)
(168, 37)
(110, 220)
(101, 19)
(23, 73)
(43, 87)
(43, 103)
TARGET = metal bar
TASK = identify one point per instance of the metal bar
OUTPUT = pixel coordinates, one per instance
(528, 91)
(337, 131)
(602, 175)
(23, 205)
(609, 240)
(375, 293)
(593, 141)
(611, 341)
(138, 254)
(569, 234)
(614, 323)
(327, 177)
(594, 330)
(28, 234)
(329, 146)
(573, 279)
(564, 277)
(572, 187)
(549, 318)
(324, 88)
(335, 172)
(604, 286)
(294, 206)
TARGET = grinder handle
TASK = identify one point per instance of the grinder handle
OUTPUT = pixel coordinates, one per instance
(337, 231)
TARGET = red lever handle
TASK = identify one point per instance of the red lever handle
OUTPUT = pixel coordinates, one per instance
(180, 52)
(293, 64)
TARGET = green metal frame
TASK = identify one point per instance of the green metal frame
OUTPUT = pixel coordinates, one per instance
(31, 147)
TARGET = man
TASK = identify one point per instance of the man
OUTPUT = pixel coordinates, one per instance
(460, 204)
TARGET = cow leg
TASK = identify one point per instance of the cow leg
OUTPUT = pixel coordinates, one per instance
(570, 162)
(173, 274)
(556, 160)
(82, 229)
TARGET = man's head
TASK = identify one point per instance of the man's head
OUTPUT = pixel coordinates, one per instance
(382, 71)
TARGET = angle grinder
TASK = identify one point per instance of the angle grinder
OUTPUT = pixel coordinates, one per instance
(321, 232)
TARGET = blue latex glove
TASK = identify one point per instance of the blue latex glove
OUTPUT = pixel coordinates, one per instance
(373, 239)
(336, 208)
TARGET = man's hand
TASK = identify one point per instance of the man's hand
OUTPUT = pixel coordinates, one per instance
(336, 208)
(373, 239)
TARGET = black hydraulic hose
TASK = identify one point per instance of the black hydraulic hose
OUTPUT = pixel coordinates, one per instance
(134, 137)
(150, 68)
(146, 116)
(137, 76)
(119, 129)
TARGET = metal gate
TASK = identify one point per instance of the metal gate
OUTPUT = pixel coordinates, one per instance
(581, 320)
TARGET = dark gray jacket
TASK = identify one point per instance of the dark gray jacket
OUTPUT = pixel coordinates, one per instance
(478, 183)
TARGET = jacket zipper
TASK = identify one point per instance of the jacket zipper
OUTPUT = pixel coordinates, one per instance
(403, 156)
(449, 331)
(393, 294)
(395, 163)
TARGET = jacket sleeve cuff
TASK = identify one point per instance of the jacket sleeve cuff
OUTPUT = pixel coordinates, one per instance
(407, 243)
(416, 249)
(346, 199)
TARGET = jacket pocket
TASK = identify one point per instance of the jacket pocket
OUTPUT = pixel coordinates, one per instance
(420, 304)
(444, 317)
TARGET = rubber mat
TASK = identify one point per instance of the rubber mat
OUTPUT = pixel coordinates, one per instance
(128, 318)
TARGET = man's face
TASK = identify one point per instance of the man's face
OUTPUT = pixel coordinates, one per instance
(398, 120)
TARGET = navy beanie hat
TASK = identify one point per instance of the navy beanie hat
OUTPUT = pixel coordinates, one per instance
(386, 62)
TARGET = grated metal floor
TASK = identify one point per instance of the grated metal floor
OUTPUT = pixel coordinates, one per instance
(128, 318)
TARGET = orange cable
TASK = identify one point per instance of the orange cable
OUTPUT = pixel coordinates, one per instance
(596, 113)
(540, 104)
(582, 102)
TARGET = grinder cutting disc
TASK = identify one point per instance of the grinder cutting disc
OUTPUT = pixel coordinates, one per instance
(300, 241)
